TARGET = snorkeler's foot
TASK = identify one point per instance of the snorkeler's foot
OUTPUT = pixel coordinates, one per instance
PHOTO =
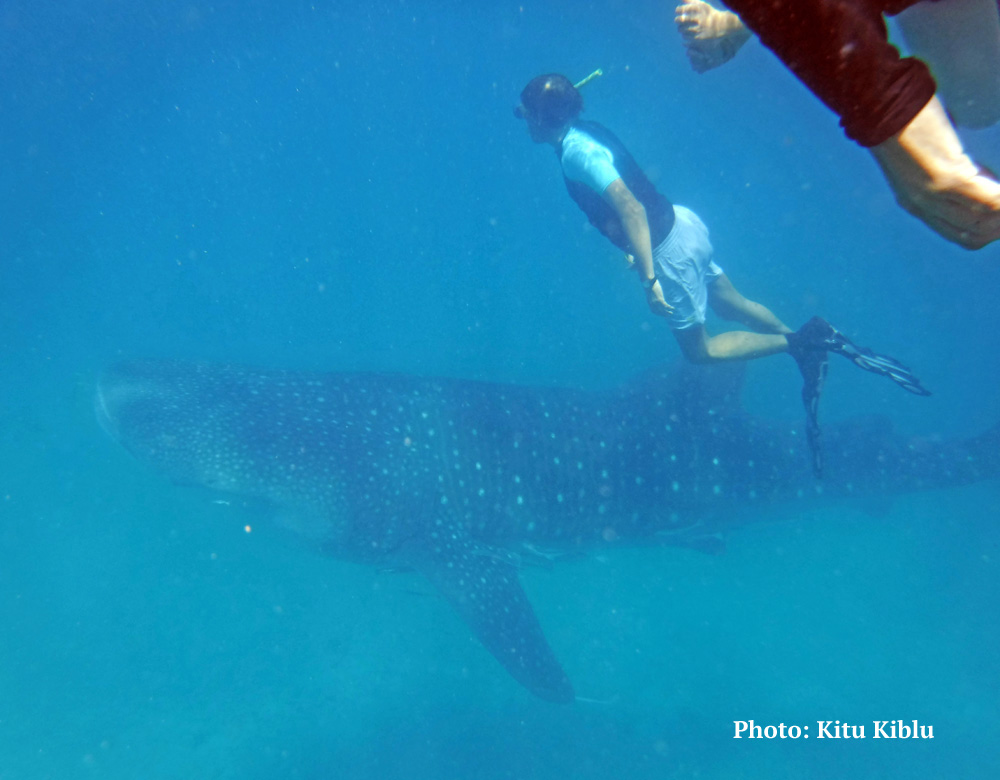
(818, 334)
(711, 37)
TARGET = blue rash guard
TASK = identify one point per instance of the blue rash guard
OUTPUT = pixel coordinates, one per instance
(592, 157)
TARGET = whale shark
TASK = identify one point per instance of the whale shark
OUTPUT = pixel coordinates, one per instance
(467, 481)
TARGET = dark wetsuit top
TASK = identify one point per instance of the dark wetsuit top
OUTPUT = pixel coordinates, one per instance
(659, 210)
(840, 49)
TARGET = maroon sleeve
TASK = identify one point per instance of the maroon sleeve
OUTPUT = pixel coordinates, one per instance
(840, 50)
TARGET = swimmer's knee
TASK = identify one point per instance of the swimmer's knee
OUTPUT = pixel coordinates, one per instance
(700, 355)
(695, 344)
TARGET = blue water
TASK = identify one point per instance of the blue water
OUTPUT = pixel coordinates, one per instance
(333, 186)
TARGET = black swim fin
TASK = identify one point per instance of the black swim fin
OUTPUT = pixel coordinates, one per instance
(818, 334)
(813, 367)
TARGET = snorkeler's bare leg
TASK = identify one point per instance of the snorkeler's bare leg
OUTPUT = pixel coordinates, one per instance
(710, 36)
(699, 347)
(960, 41)
(728, 303)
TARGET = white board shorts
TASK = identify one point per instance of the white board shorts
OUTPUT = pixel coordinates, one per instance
(685, 268)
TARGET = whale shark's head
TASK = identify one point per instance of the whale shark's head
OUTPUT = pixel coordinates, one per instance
(173, 421)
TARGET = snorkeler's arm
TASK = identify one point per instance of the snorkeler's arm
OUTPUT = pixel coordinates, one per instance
(633, 218)
(840, 50)
(938, 183)
(711, 37)
(698, 20)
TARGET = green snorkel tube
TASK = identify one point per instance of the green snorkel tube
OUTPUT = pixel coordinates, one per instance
(521, 113)
(591, 77)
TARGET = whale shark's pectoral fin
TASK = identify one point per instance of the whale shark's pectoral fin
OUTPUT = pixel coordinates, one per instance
(487, 594)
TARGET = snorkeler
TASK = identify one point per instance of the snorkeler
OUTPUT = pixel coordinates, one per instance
(669, 248)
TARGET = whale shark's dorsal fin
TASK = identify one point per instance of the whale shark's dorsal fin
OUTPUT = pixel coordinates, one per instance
(692, 391)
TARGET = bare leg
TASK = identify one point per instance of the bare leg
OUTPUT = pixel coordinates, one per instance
(727, 302)
(699, 347)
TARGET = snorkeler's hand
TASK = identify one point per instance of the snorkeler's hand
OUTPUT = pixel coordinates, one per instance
(710, 36)
(657, 304)
(701, 21)
(936, 182)
(654, 295)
